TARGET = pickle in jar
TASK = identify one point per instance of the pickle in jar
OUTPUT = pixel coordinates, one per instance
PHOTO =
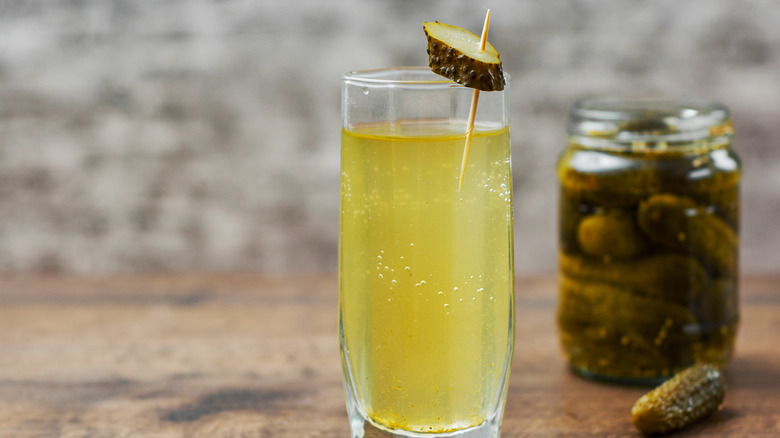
(644, 333)
(679, 224)
(649, 214)
(670, 277)
(613, 234)
(616, 189)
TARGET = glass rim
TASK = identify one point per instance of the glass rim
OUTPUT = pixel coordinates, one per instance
(390, 76)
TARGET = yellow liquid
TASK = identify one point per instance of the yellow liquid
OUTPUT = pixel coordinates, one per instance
(426, 288)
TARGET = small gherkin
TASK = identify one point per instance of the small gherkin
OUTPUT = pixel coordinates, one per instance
(684, 399)
(680, 224)
(454, 53)
(613, 234)
(670, 277)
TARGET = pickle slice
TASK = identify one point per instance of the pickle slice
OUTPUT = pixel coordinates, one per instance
(454, 53)
(687, 397)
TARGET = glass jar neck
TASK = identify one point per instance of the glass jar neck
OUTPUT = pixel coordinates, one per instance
(649, 125)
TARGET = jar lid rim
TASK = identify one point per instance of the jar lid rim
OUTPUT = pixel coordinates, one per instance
(625, 108)
(648, 119)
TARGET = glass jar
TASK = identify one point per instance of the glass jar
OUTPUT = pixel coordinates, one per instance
(648, 237)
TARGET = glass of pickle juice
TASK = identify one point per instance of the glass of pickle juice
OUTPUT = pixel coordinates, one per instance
(426, 285)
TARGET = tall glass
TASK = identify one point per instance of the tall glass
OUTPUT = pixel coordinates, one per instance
(426, 285)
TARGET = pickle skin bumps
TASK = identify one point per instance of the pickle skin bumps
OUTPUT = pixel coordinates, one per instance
(454, 53)
(684, 399)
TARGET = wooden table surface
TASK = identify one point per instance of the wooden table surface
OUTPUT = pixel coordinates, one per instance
(254, 356)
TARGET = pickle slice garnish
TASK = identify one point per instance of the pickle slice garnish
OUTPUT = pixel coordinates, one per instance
(456, 54)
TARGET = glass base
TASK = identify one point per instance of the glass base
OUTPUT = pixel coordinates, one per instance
(364, 428)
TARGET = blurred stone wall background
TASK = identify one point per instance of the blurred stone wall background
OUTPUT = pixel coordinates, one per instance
(171, 135)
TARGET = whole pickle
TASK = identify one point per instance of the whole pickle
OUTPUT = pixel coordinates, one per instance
(623, 188)
(718, 192)
(648, 335)
(613, 234)
(684, 399)
(632, 179)
(718, 188)
(680, 224)
(671, 277)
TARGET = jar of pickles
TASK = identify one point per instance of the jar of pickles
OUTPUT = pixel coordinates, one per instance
(648, 237)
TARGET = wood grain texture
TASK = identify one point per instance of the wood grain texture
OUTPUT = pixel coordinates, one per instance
(250, 356)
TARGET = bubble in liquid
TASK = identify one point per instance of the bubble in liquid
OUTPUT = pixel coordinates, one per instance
(393, 282)
(422, 282)
(381, 276)
(455, 289)
(365, 91)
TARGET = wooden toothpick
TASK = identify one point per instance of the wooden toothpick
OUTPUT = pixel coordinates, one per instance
(473, 110)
